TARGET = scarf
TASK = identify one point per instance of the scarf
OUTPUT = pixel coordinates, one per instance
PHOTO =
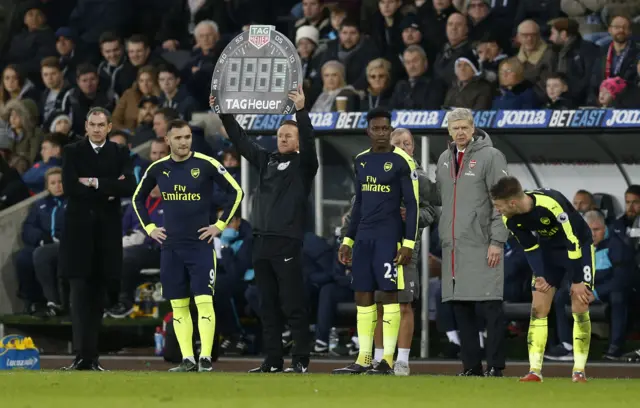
(616, 70)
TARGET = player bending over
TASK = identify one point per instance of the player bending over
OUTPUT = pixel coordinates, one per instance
(564, 244)
(188, 259)
(385, 178)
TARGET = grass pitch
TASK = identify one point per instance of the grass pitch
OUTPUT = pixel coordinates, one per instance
(153, 389)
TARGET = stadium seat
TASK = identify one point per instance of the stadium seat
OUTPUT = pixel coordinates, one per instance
(607, 205)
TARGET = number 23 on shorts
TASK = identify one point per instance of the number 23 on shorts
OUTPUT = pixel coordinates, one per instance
(390, 271)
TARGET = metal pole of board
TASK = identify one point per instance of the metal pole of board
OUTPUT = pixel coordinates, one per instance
(317, 189)
(424, 255)
(244, 183)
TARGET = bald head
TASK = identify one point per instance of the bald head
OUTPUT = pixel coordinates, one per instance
(403, 139)
(529, 35)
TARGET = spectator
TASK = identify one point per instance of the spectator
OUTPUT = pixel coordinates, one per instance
(484, 22)
(538, 59)
(138, 56)
(174, 95)
(490, 55)
(435, 17)
(197, 73)
(617, 60)
(111, 66)
(45, 256)
(630, 97)
(470, 90)
(67, 53)
(125, 115)
(515, 91)
(538, 12)
(16, 86)
(354, 51)
(24, 137)
(56, 98)
(41, 227)
(147, 109)
(456, 46)
(583, 202)
(587, 14)
(333, 86)
(337, 16)
(315, 14)
(558, 97)
(62, 124)
(235, 268)
(139, 164)
(380, 87)
(626, 221)
(609, 91)
(576, 57)
(139, 251)
(32, 44)
(387, 30)
(505, 12)
(86, 96)
(614, 266)
(419, 91)
(307, 39)
(51, 153)
(161, 119)
(411, 32)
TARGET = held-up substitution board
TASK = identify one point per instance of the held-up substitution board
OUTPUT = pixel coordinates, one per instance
(255, 72)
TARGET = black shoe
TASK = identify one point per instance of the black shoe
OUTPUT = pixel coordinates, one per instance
(186, 366)
(613, 354)
(96, 366)
(205, 365)
(471, 373)
(383, 368)
(493, 372)
(298, 367)
(352, 369)
(79, 364)
(266, 368)
(632, 356)
(234, 346)
(120, 310)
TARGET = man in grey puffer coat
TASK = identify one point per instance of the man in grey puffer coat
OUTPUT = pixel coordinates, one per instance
(472, 235)
(403, 139)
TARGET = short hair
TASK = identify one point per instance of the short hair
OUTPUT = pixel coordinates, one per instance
(137, 39)
(587, 193)
(349, 22)
(55, 139)
(99, 110)
(86, 68)
(620, 15)
(177, 124)
(378, 112)
(569, 25)
(206, 23)
(231, 152)
(50, 172)
(560, 76)
(529, 21)
(506, 188)
(415, 48)
(51, 62)
(594, 216)
(289, 122)
(379, 63)
(170, 68)
(122, 133)
(401, 131)
(633, 189)
(168, 113)
(460, 114)
(109, 36)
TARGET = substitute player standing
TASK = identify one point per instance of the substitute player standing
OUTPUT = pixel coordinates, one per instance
(564, 244)
(188, 259)
(386, 177)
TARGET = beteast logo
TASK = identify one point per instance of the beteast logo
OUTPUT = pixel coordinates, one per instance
(624, 117)
(523, 118)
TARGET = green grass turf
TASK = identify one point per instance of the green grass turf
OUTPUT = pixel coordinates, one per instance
(193, 390)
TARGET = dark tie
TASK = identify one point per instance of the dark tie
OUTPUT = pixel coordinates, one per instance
(97, 149)
(460, 156)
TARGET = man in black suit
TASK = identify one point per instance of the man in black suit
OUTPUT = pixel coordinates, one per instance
(95, 173)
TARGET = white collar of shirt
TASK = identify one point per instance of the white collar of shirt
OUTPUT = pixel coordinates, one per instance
(95, 146)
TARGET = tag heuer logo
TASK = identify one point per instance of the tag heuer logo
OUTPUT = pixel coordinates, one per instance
(195, 173)
(388, 166)
(259, 36)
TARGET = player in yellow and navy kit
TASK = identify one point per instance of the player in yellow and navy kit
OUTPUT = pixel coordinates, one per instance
(188, 259)
(563, 244)
(386, 177)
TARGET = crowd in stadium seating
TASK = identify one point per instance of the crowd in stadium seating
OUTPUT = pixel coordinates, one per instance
(151, 61)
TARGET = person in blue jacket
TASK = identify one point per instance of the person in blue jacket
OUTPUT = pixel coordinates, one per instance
(515, 92)
(42, 227)
(51, 152)
(614, 266)
(234, 270)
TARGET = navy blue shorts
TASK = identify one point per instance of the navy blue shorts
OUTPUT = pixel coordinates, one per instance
(373, 268)
(187, 271)
(558, 268)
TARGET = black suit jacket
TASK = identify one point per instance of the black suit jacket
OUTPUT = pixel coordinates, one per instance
(91, 243)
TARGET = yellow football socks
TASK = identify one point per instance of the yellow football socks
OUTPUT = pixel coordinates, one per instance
(367, 316)
(537, 340)
(390, 329)
(206, 323)
(183, 326)
(581, 340)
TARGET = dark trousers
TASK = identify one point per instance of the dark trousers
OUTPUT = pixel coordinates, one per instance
(87, 307)
(227, 320)
(277, 262)
(466, 314)
(328, 298)
(45, 262)
(134, 259)
(619, 314)
(29, 289)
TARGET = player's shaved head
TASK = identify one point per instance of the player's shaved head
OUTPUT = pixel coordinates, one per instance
(379, 129)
